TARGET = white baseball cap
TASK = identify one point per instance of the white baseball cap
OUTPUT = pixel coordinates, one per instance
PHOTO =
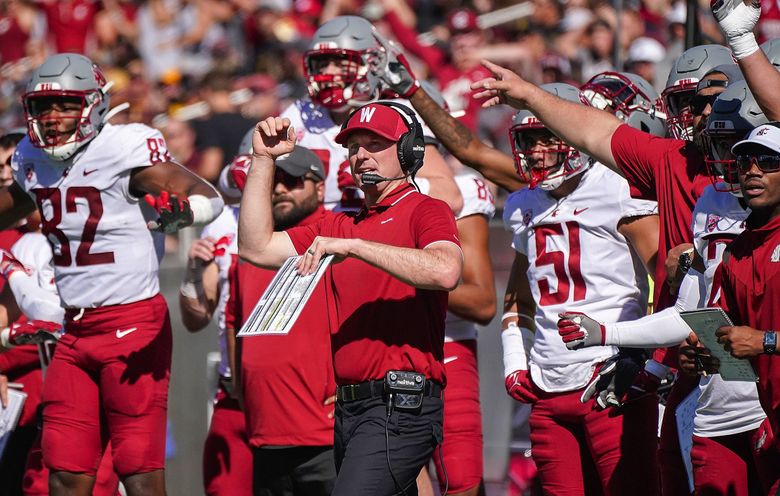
(765, 135)
(646, 49)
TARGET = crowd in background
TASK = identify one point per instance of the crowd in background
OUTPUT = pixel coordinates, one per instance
(204, 70)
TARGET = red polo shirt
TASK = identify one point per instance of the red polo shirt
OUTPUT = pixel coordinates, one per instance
(671, 172)
(377, 322)
(750, 294)
(285, 379)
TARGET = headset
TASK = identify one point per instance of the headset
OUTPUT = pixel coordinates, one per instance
(411, 144)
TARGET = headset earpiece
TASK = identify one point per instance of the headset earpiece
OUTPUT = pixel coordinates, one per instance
(411, 145)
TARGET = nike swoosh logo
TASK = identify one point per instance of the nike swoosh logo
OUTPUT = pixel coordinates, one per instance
(578, 211)
(386, 221)
(86, 172)
(449, 359)
(120, 334)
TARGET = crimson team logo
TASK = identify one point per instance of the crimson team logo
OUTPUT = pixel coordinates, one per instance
(762, 132)
(775, 254)
(712, 222)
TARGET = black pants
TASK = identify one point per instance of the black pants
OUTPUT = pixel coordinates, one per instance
(293, 471)
(361, 450)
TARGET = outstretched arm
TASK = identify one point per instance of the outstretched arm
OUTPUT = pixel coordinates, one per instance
(737, 20)
(583, 127)
(493, 164)
(257, 241)
(475, 298)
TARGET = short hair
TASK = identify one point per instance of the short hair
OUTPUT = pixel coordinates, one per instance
(217, 80)
(10, 140)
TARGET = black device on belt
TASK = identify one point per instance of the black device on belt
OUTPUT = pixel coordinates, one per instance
(401, 385)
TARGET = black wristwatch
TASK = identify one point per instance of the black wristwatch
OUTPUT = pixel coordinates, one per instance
(684, 261)
(770, 342)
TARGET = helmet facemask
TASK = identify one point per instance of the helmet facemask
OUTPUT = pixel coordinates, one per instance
(353, 84)
(44, 129)
(531, 139)
(677, 105)
(720, 161)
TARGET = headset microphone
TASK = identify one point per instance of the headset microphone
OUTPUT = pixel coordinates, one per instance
(372, 179)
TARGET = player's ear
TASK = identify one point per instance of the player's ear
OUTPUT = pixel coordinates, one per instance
(320, 189)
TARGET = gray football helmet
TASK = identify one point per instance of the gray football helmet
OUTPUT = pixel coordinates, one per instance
(570, 161)
(65, 78)
(629, 97)
(734, 114)
(771, 49)
(350, 44)
(686, 72)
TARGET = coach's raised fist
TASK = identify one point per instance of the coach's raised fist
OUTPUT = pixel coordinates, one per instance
(273, 137)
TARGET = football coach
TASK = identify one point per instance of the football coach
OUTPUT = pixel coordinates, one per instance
(394, 262)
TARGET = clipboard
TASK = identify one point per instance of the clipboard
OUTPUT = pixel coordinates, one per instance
(704, 322)
(9, 416)
(283, 300)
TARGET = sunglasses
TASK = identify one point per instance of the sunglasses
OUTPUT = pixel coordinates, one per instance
(289, 181)
(766, 163)
(700, 102)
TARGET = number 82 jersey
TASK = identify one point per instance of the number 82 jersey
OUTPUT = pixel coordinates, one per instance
(103, 252)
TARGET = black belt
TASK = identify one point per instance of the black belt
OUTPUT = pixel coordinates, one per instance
(376, 389)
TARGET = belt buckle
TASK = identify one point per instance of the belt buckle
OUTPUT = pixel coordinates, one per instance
(348, 393)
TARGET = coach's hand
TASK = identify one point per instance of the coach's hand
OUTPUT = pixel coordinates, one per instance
(273, 137)
(577, 330)
(741, 341)
(737, 20)
(695, 359)
(341, 248)
(519, 386)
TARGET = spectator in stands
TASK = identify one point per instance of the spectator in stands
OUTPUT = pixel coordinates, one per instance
(181, 143)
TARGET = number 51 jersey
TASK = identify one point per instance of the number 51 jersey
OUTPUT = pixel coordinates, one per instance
(577, 261)
(103, 252)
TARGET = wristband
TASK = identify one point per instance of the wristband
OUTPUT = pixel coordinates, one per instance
(204, 209)
(743, 45)
(517, 342)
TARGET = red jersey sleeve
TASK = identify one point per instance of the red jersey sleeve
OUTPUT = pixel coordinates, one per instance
(303, 236)
(638, 154)
(434, 221)
(727, 300)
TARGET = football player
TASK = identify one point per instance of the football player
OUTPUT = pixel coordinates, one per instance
(569, 231)
(728, 416)
(88, 178)
(669, 171)
(339, 68)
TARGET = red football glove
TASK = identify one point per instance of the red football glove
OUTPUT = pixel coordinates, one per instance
(9, 265)
(238, 169)
(577, 330)
(519, 386)
(33, 331)
(174, 213)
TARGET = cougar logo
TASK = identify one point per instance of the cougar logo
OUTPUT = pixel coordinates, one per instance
(366, 113)
(775, 255)
(762, 132)
(712, 222)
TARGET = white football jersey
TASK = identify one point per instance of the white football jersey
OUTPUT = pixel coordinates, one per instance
(103, 252)
(725, 407)
(578, 261)
(224, 226)
(317, 132)
(477, 200)
(35, 291)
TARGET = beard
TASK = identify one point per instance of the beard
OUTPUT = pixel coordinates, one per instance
(291, 217)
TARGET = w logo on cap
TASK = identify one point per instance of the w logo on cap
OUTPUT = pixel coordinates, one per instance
(366, 113)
